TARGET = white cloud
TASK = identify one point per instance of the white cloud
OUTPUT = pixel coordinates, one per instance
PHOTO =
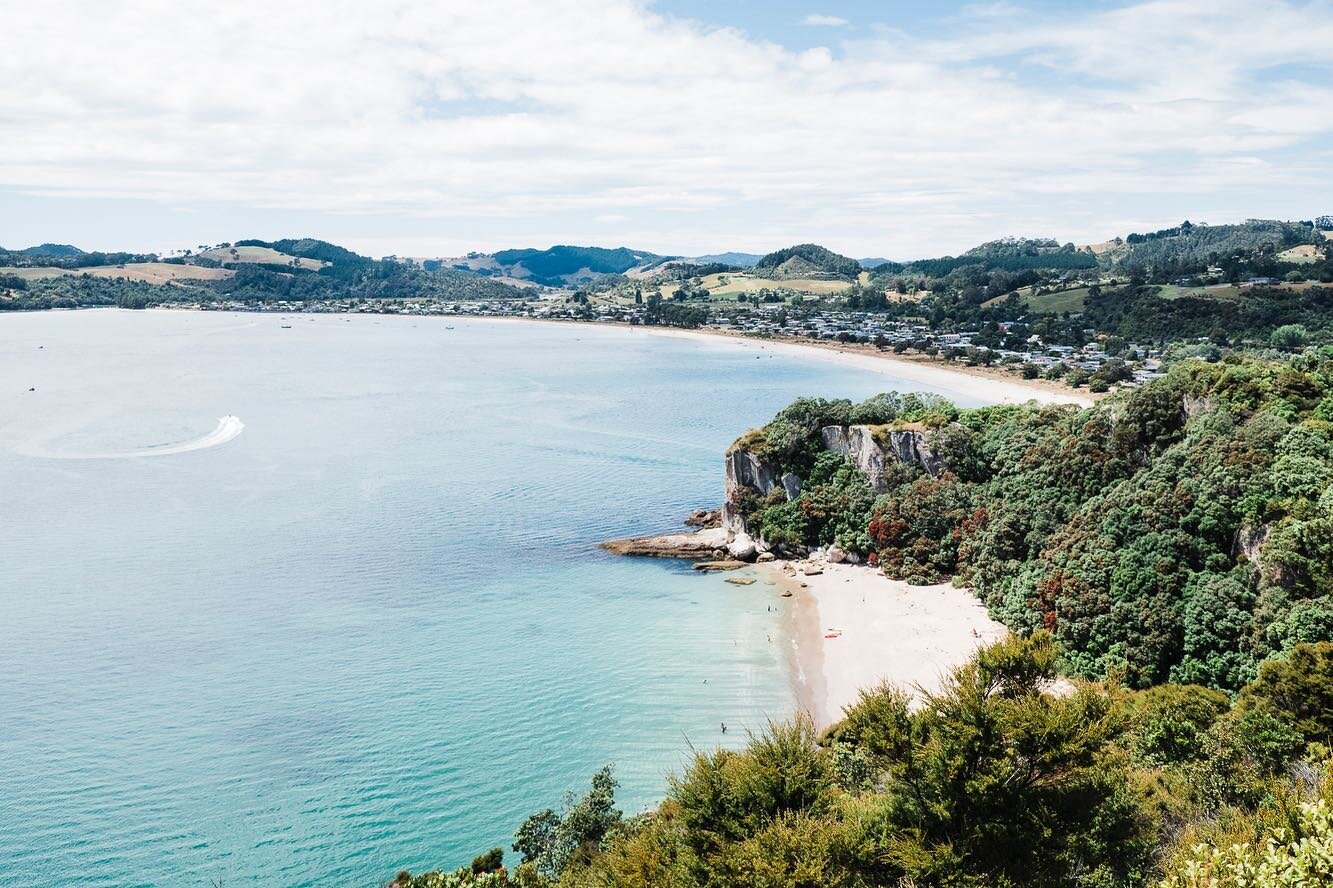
(524, 120)
(816, 20)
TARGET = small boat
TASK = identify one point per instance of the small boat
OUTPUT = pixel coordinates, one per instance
(448, 326)
(286, 326)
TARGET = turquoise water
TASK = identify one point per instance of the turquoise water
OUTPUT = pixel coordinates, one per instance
(374, 630)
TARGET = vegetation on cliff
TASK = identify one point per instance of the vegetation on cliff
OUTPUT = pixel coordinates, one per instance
(1182, 531)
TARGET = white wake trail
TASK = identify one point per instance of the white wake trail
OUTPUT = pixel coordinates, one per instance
(228, 428)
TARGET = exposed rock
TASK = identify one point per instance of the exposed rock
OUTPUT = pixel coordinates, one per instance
(699, 544)
(765, 557)
(870, 452)
(741, 581)
(1193, 405)
(720, 565)
(742, 547)
(705, 518)
(744, 469)
(787, 594)
(791, 485)
(1249, 542)
(853, 558)
(836, 555)
(811, 570)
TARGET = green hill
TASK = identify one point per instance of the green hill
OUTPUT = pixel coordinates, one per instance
(805, 259)
(563, 264)
(56, 251)
(1190, 244)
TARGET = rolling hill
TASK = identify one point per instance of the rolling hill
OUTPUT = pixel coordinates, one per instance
(559, 266)
(807, 260)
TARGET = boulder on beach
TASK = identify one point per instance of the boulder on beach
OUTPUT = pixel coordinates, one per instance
(742, 548)
(725, 564)
(700, 544)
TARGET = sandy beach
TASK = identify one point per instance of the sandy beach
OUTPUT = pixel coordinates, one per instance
(883, 630)
(991, 385)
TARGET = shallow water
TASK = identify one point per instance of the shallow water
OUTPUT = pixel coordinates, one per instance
(371, 629)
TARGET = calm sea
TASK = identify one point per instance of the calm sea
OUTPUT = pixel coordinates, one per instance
(374, 630)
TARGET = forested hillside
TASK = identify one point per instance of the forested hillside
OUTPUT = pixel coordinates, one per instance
(298, 270)
(1182, 531)
(557, 265)
(804, 259)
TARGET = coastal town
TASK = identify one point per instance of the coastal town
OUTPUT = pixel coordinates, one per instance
(1133, 363)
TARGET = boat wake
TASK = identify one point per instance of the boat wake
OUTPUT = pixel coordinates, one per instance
(228, 428)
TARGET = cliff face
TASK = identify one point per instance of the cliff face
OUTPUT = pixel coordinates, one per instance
(870, 452)
(869, 448)
(746, 470)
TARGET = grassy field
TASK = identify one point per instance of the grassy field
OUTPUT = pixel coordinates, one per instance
(258, 256)
(1061, 301)
(148, 272)
(1304, 254)
(732, 284)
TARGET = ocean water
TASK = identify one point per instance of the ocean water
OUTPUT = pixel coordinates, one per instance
(372, 630)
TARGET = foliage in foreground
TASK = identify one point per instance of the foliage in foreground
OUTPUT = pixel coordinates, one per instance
(993, 781)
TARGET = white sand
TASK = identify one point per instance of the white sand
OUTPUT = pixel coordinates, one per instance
(886, 630)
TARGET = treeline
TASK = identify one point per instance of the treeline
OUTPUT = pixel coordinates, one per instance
(81, 291)
(67, 257)
(1139, 313)
(1197, 243)
(994, 782)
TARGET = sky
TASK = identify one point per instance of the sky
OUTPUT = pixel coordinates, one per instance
(683, 127)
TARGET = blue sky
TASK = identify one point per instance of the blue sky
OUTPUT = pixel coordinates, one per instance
(891, 129)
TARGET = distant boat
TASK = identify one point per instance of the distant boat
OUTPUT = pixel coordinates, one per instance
(286, 326)
(448, 326)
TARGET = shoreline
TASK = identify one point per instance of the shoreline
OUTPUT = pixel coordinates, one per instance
(885, 631)
(989, 385)
(986, 384)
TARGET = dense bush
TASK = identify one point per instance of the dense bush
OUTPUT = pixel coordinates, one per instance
(1179, 532)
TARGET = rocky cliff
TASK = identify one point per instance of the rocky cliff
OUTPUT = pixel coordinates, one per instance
(869, 448)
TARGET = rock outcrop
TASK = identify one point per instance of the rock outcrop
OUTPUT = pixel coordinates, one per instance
(705, 518)
(700, 544)
(1249, 544)
(747, 470)
(871, 448)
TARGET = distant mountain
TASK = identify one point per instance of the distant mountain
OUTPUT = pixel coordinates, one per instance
(804, 260)
(53, 251)
(874, 262)
(558, 266)
(740, 260)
